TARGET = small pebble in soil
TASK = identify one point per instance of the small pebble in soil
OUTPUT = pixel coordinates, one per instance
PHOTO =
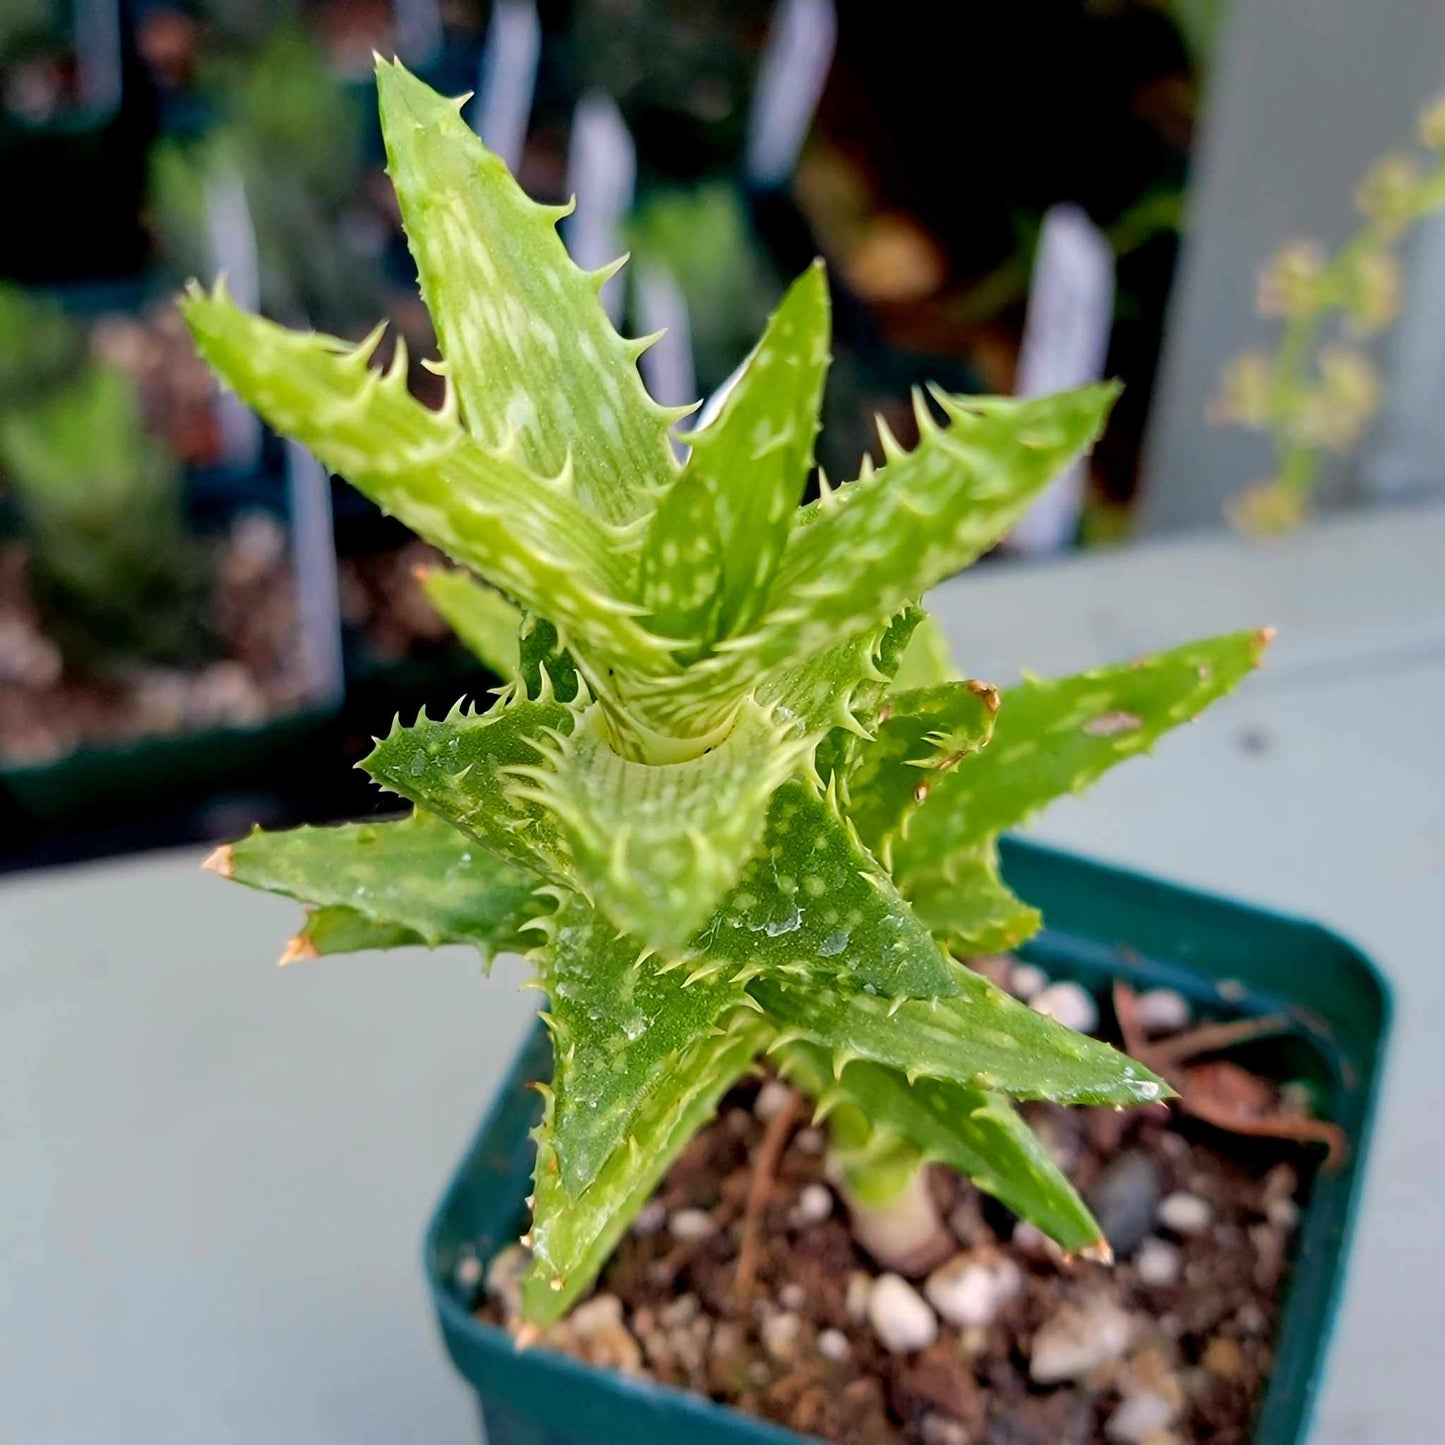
(1124, 1198)
(601, 1336)
(900, 1316)
(833, 1345)
(467, 1272)
(1078, 1339)
(780, 1335)
(1185, 1213)
(809, 1141)
(860, 1286)
(970, 1288)
(937, 1429)
(1035, 1244)
(690, 1225)
(1163, 1011)
(650, 1218)
(1027, 981)
(792, 1297)
(1069, 1004)
(504, 1279)
(1158, 1263)
(815, 1204)
(1139, 1417)
(772, 1099)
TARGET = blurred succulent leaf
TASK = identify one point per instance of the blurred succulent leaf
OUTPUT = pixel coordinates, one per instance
(484, 621)
(966, 905)
(926, 660)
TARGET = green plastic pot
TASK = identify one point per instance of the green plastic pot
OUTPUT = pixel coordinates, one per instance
(1104, 923)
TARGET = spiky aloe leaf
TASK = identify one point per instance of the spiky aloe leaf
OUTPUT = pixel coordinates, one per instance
(463, 768)
(335, 928)
(859, 554)
(838, 692)
(544, 664)
(1053, 738)
(418, 874)
(925, 734)
(978, 1133)
(680, 571)
(486, 509)
(656, 847)
(753, 458)
(620, 1019)
(525, 338)
(927, 660)
(812, 904)
(484, 621)
(981, 1038)
(968, 907)
(572, 1237)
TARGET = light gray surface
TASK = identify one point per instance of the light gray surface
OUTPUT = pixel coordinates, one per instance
(215, 1176)
(1305, 96)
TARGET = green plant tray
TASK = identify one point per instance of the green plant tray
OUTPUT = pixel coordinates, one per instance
(1104, 923)
(96, 786)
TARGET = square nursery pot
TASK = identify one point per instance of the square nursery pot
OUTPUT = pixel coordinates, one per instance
(1103, 923)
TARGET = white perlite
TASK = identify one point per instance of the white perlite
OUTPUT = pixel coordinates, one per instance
(900, 1316)
(690, 1224)
(970, 1288)
(1185, 1213)
(815, 1204)
(1069, 1004)
(780, 1336)
(1027, 980)
(1078, 1339)
(1141, 1418)
(1157, 1262)
(1163, 1011)
(833, 1345)
(772, 1099)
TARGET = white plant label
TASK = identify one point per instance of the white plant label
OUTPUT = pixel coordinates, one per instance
(508, 79)
(601, 174)
(419, 32)
(313, 555)
(790, 83)
(232, 240)
(1065, 344)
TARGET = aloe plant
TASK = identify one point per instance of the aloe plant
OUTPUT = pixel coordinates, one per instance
(730, 802)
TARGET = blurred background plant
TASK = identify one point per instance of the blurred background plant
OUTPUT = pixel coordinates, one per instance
(1317, 393)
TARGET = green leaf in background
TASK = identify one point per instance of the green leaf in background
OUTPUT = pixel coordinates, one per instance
(753, 458)
(416, 874)
(925, 734)
(620, 1021)
(967, 906)
(1053, 738)
(484, 621)
(485, 509)
(463, 768)
(335, 928)
(655, 848)
(981, 1038)
(572, 1238)
(812, 904)
(525, 339)
(926, 660)
(977, 1133)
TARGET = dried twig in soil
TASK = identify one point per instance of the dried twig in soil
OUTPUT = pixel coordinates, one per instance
(759, 1187)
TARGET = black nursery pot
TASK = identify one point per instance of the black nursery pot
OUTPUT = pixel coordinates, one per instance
(1104, 924)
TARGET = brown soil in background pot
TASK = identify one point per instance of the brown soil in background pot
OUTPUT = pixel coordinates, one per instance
(1007, 1342)
(382, 599)
(47, 711)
